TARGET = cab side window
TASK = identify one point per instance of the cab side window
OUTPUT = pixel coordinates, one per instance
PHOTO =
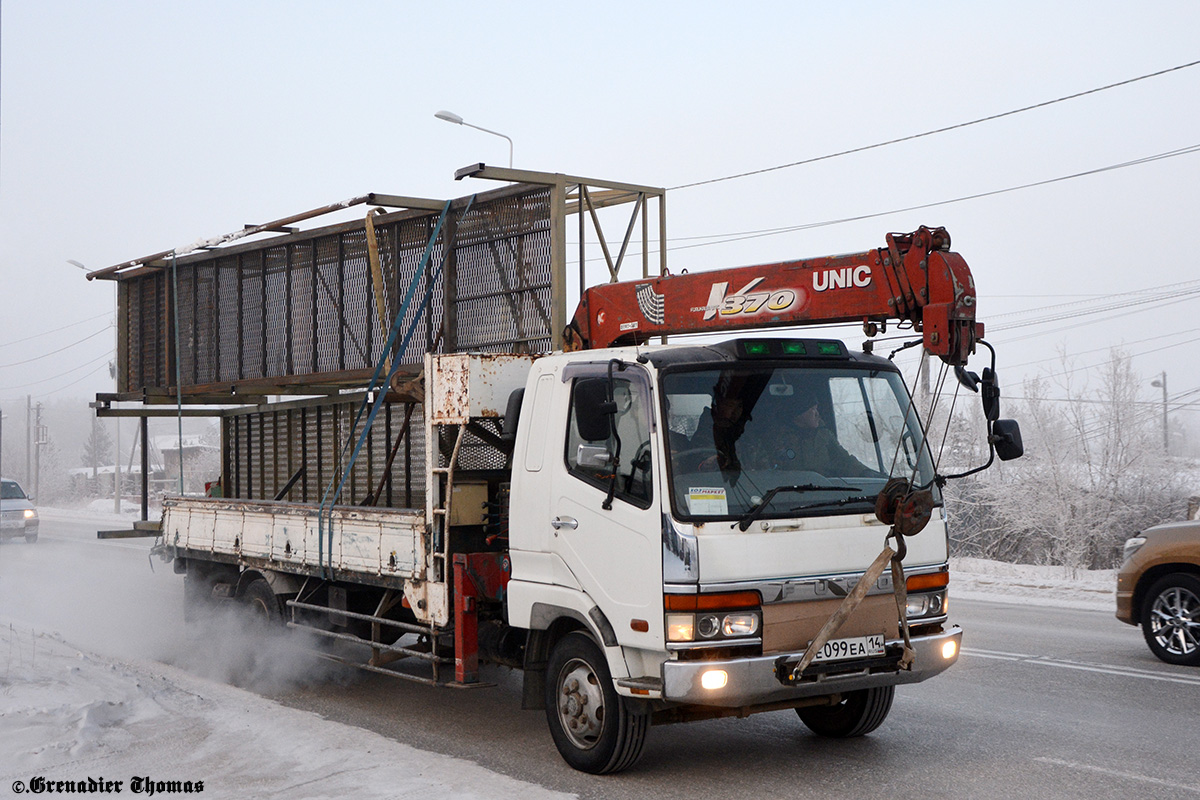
(611, 439)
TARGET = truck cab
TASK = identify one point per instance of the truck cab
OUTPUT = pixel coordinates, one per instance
(700, 511)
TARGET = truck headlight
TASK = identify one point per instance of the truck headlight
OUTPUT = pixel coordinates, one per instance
(926, 604)
(30, 513)
(740, 624)
(711, 619)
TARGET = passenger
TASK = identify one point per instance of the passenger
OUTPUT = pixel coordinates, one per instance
(806, 443)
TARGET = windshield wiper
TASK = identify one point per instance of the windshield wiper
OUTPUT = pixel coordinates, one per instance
(754, 513)
(845, 501)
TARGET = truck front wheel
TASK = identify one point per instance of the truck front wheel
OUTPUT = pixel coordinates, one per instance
(859, 713)
(594, 728)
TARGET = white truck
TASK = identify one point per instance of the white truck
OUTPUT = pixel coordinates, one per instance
(652, 533)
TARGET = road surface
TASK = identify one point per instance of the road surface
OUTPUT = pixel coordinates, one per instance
(1045, 702)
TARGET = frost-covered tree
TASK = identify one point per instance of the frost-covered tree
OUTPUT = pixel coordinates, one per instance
(1094, 473)
(97, 448)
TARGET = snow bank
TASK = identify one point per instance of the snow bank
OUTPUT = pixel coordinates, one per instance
(979, 579)
(69, 715)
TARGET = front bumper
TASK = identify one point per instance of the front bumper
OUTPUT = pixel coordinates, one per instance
(752, 681)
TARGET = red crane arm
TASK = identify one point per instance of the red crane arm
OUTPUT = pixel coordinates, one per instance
(914, 278)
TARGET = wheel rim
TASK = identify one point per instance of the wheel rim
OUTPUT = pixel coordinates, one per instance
(580, 703)
(1174, 621)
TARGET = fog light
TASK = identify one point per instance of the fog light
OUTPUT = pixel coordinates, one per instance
(714, 679)
(949, 649)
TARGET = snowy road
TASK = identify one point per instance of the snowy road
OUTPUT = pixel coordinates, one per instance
(1047, 701)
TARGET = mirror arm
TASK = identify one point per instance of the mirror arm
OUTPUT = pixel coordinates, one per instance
(941, 480)
(612, 427)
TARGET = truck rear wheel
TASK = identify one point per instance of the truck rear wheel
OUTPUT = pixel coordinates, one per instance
(594, 728)
(262, 603)
(859, 713)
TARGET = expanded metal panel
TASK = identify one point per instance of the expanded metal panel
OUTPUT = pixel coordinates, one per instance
(475, 453)
(145, 356)
(264, 450)
(307, 307)
(504, 287)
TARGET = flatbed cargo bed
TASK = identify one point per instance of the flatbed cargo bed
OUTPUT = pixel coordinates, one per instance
(380, 546)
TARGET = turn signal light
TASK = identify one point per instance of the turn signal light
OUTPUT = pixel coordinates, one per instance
(707, 602)
(922, 583)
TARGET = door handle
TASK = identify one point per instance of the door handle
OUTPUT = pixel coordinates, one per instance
(558, 523)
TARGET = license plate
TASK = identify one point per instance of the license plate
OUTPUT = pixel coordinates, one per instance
(854, 647)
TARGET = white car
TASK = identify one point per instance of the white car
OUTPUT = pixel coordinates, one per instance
(18, 517)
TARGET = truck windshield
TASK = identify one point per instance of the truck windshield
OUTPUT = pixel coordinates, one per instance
(831, 436)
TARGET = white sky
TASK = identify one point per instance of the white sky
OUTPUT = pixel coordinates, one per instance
(132, 127)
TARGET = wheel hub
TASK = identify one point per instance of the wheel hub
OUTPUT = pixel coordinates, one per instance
(581, 704)
(1176, 627)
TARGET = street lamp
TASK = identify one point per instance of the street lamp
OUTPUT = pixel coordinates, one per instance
(117, 444)
(450, 116)
(1163, 383)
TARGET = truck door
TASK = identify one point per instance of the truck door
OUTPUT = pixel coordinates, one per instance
(602, 505)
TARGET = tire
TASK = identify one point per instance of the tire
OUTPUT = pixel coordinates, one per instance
(859, 713)
(30, 538)
(607, 735)
(1171, 619)
(262, 604)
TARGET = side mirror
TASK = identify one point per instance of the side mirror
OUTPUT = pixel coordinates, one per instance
(595, 456)
(593, 409)
(1006, 438)
(990, 395)
(512, 412)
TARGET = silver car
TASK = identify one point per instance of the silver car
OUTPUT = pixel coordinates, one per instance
(18, 517)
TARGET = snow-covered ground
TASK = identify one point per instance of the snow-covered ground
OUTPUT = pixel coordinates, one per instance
(70, 714)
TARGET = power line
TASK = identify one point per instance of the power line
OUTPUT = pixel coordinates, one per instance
(1174, 293)
(77, 380)
(107, 355)
(56, 330)
(54, 352)
(1098, 349)
(1174, 287)
(938, 130)
(742, 236)
(1033, 335)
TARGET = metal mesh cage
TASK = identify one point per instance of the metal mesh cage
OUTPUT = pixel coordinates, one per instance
(265, 450)
(305, 308)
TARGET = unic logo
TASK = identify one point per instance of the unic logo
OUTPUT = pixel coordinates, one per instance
(746, 300)
(842, 278)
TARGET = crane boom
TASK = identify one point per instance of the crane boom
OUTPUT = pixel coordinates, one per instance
(915, 278)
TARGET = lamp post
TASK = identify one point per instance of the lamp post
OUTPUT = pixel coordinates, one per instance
(117, 444)
(450, 116)
(1163, 383)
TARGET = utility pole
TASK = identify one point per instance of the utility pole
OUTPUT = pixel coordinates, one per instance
(28, 440)
(39, 440)
(1166, 437)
